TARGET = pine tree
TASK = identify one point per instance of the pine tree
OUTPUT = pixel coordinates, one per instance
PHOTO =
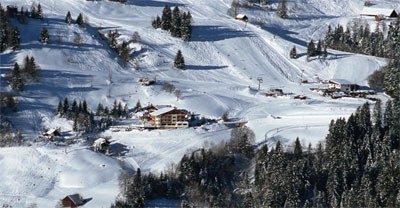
(100, 110)
(79, 19)
(16, 81)
(68, 18)
(124, 52)
(66, 107)
(282, 9)
(319, 48)
(60, 110)
(179, 61)
(138, 106)
(166, 18)
(311, 49)
(39, 14)
(293, 53)
(186, 28)
(156, 23)
(176, 23)
(44, 36)
(138, 194)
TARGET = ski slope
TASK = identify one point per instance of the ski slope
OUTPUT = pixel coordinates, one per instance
(223, 61)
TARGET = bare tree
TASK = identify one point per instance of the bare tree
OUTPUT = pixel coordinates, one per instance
(78, 40)
(135, 37)
(178, 94)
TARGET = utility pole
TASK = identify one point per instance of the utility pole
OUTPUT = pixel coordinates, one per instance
(259, 79)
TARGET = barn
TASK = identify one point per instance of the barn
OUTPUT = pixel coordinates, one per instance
(73, 200)
(242, 17)
(379, 12)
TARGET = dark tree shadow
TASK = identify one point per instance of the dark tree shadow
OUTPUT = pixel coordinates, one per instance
(198, 67)
(216, 33)
(284, 34)
(151, 3)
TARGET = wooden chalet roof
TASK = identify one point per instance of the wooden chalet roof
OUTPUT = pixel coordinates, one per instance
(166, 110)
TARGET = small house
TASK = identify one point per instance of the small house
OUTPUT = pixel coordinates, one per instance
(242, 17)
(73, 200)
(342, 85)
(170, 117)
(101, 145)
(379, 13)
(51, 134)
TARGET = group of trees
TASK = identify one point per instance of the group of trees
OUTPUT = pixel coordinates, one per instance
(178, 23)
(205, 178)
(122, 49)
(79, 19)
(9, 34)
(357, 166)
(319, 50)
(84, 119)
(359, 38)
(19, 76)
(9, 137)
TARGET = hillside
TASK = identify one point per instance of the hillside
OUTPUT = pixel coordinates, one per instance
(223, 60)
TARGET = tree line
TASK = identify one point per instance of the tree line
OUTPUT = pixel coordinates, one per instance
(356, 166)
(178, 23)
(358, 38)
(19, 76)
(9, 34)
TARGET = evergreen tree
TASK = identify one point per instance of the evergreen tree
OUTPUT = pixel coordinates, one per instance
(319, 48)
(100, 110)
(311, 51)
(16, 81)
(293, 53)
(44, 36)
(156, 23)
(39, 13)
(66, 107)
(282, 9)
(186, 28)
(79, 19)
(138, 106)
(166, 18)
(68, 18)
(60, 109)
(179, 61)
(124, 52)
(392, 79)
(176, 23)
(138, 194)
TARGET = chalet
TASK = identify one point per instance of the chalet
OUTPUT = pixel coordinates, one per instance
(342, 85)
(51, 134)
(169, 117)
(73, 200)
(145, 81)
(101, 145)
(242, 17)
(378, 13)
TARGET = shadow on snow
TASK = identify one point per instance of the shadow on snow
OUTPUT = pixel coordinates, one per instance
(216, 33)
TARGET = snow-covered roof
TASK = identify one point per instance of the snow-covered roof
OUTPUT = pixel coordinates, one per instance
(241, 16)
(51, 132)
(162, 111)
(76, 199)
(341, 81)
(100, 141)
(377, 11)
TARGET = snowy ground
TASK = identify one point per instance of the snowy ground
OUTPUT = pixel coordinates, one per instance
(224, 59)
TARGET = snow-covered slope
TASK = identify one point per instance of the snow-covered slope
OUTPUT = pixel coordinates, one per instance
(223, 61)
